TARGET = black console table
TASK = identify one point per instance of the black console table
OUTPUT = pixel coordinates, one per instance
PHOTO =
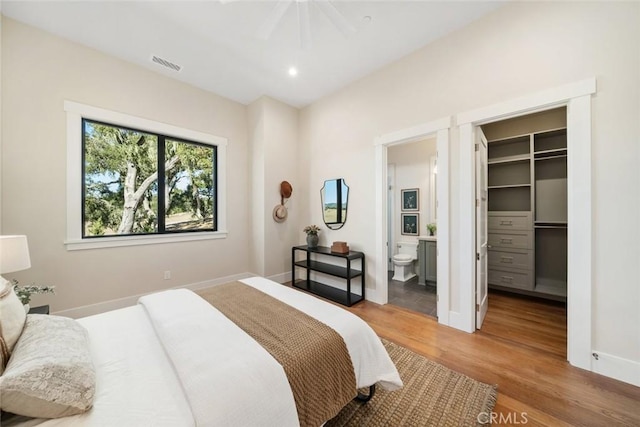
(312, 263)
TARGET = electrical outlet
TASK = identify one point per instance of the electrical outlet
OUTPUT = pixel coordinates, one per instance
(167, 275)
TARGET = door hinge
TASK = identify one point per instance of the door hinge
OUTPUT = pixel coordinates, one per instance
(477, 147)
(477, 203)
(477, 307)
(477, 256)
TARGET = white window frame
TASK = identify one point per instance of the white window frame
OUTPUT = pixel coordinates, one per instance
(75, 113)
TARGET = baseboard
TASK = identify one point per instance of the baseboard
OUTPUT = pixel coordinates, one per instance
(281, 278)
(101, 307)
(616, 367)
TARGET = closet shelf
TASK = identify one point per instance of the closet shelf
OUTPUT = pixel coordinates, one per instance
(553, 151)
(509, 160)
(495, 187)
(549, 224)
(555, 156)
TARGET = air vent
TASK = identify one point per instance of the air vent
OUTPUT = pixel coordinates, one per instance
(165, 63)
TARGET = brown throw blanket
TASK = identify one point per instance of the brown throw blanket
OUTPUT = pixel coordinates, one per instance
(314, 356)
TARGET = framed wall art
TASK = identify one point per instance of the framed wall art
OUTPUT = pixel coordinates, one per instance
(410, 200)
(410, 224)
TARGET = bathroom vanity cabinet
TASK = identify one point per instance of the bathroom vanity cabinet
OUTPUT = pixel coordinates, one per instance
(428, 259)
(323, 263)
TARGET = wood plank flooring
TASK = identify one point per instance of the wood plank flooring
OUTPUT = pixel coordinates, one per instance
(521, 348)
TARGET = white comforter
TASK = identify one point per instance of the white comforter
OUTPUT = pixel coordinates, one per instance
(183, 363)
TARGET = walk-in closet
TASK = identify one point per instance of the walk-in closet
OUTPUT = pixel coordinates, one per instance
(527, 204)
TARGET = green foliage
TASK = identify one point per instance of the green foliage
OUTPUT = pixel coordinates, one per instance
(120, 178)
(24, 292)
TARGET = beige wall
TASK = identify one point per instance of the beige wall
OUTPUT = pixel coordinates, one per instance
(274, 158)
(522, 48)
(39, 72)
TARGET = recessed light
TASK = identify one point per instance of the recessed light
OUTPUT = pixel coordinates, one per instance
(293, 71)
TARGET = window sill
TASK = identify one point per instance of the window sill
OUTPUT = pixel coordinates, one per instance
(119, 241)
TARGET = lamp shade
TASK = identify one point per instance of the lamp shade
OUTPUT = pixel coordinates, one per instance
(14, 254)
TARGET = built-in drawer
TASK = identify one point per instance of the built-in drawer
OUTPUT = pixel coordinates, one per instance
(511, 240)
(521, 258)
(504, 221)
(511, 278)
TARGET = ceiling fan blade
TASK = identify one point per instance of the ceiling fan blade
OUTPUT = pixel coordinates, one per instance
(337, 18)
(265, 30)
(305, 24)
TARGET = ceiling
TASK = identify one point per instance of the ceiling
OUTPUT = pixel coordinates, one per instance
(222, 46)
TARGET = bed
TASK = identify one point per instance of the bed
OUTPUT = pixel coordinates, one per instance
(175, 360)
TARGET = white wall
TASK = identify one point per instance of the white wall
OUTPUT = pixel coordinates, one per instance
(412, 170)
(40, 72)
(522, 48)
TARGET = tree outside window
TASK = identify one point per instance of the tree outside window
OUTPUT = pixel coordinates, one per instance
(123, 170)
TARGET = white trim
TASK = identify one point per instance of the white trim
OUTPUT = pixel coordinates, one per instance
(443, 223)
(115, 304)
(456, 320)
(577, 98)
(467, 221)
(579, 233)
(75, 113)
(147, 239)
(413, 133)
(440, 128)
(616, 367)
(109, 116)
(539, 101)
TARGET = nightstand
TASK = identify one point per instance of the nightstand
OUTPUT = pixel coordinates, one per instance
(43, 309)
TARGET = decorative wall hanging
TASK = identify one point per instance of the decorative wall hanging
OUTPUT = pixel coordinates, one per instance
(410, 224)
(280, 211)
(410, 199)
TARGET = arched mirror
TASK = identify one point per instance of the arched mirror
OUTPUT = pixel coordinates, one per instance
(334, 195)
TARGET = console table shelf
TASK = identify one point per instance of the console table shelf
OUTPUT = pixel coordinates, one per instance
(310, 263)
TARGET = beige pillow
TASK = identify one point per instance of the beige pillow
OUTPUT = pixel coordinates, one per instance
(12, 317)
(50, 373)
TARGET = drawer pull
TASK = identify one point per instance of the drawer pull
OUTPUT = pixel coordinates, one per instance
(507, 279)
(506, 259)
(506, 241)
(506, 222)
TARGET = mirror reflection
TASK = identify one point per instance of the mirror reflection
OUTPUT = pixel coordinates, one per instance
(335, 196)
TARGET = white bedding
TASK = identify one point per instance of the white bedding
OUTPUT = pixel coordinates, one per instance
(135, 382)
(138, 384)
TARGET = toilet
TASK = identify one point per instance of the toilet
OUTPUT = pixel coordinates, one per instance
(404, 269)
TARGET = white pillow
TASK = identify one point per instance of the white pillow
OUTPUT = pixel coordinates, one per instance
(12, 318)
(50, 373)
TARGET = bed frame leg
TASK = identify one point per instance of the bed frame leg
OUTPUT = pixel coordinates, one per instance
(365, 398)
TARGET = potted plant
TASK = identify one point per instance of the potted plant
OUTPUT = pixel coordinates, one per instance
(24, 292)
(312, 235)
(432, 228)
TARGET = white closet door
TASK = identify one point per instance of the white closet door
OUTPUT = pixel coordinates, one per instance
(482, 294)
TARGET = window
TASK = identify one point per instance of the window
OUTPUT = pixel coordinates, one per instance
(134, 181)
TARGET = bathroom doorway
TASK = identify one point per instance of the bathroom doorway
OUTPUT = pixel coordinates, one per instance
(412, 226)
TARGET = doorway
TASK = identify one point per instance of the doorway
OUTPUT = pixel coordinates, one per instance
(412, 250)
(521, 186)
(577, 98)
(439, 129)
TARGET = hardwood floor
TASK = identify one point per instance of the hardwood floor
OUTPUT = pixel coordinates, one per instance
(522, 349)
